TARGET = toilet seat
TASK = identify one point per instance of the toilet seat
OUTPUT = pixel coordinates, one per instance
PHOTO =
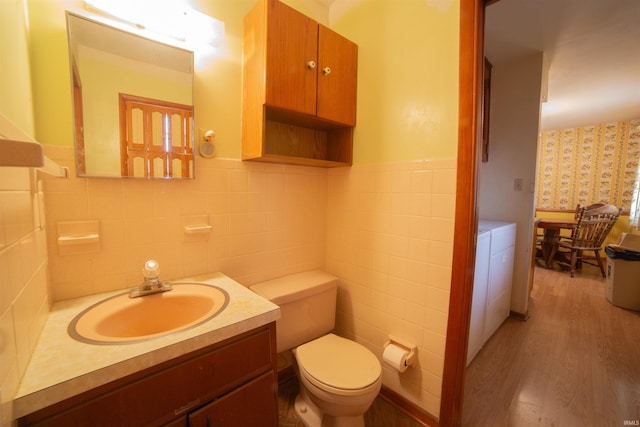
(338, 365)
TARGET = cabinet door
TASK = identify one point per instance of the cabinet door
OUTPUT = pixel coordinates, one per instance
(499, 289)
(337, 77)
(252, 405)
(292, 44)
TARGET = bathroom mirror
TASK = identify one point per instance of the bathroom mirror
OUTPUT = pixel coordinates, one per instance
(132, 102)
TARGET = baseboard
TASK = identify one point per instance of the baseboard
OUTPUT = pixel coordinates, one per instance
(518, 315)
(409, 408)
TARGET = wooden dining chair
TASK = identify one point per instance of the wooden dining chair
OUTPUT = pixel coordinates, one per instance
(588, 210)
(592, 229)
(600, 208)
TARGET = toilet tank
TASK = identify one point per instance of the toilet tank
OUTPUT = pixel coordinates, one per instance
(307, 306)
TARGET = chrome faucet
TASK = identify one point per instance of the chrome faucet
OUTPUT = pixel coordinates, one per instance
(151, 284)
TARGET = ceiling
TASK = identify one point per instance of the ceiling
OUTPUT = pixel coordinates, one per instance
(591, 49)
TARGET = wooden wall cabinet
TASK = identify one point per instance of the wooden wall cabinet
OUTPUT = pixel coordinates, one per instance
(232, 383)
(299, 89)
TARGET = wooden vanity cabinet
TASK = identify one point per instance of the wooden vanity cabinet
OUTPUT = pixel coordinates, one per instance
(232, 383)
(231, 410)
(299, 89)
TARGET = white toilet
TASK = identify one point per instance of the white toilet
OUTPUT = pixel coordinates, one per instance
(339, 378)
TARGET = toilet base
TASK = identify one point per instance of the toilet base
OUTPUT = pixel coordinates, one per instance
(311, 416)
(306, 411)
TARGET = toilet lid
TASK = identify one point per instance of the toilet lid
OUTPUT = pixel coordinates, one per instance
(339, 362)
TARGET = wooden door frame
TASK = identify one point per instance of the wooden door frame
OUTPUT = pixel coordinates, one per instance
(466, 217)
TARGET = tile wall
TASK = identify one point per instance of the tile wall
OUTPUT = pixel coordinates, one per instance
(385, 230)
(24, 297)
(390, 240)
(266, 220)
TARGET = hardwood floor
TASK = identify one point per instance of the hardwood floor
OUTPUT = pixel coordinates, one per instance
(574, 362)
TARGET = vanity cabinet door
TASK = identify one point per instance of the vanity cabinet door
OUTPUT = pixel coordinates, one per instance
(253, 404)
(180, 422)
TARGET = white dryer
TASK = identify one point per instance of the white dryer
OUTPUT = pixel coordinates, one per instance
(502, 254)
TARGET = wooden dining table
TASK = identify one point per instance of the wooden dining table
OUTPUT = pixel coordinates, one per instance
(551, 228)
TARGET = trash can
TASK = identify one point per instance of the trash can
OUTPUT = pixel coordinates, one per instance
(623, 272)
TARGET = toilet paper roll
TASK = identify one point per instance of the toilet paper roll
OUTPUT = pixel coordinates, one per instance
(396, 357)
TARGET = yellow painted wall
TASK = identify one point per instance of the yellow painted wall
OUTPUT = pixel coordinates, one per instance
(407, 77)
(15, 87)
(50, 71)
(407, 80)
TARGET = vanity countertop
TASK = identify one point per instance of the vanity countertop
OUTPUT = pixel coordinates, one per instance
(62, 367)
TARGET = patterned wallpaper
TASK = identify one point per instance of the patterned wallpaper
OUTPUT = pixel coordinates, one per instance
(596, 163)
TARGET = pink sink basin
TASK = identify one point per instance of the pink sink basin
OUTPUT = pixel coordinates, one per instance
(121, 319)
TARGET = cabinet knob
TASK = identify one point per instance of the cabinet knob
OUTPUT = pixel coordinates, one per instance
(311, 65)
(326, 71)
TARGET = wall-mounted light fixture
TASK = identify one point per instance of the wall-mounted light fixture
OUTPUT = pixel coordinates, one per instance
(164, 18)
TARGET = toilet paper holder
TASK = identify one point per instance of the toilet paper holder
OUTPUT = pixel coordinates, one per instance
(411, 348)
